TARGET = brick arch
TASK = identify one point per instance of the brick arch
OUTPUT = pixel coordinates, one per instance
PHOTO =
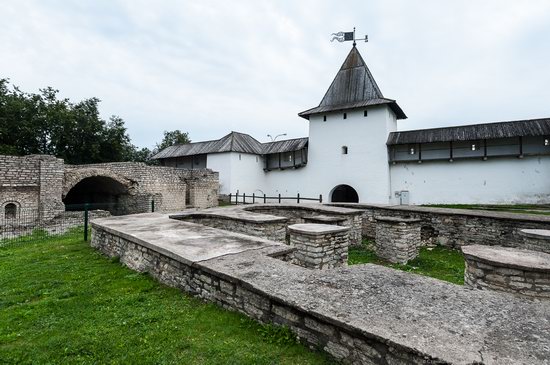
(74, 176)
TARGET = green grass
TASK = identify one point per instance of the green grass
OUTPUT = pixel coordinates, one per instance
(437, 262)
(511, 208)
(63, 303)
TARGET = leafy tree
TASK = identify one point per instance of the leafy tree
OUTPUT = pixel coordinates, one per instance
(44, 124)
(172, 138)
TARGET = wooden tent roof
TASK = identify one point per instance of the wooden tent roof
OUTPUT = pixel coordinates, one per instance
(233, 142)
(353, 87)
(519, 128)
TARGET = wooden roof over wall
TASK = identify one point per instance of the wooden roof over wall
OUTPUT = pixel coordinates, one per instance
(518, 128)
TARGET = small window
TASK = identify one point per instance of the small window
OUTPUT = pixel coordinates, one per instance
(345, 116)
(365, 113)
(239, 156)
(547, 141)
(10, 211)
(344, 150)
(474, 147)
(256, 158)
(287, 157)
(324, 118)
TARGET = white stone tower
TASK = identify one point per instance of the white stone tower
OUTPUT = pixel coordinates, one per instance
(348, 131)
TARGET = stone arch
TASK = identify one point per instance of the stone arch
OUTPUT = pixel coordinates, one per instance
(344, 194)
(75, 176)
(101, 188)
(11, 209)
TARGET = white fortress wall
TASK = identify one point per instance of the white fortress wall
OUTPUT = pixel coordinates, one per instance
(499, 180)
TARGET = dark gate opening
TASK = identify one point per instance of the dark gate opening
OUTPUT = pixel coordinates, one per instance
(99, 192)
(344, 194)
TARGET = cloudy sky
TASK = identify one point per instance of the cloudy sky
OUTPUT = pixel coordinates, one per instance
(209, 67)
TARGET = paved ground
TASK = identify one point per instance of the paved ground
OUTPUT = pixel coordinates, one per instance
(446, 321)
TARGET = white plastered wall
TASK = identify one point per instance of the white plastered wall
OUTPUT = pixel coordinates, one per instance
(495, 181)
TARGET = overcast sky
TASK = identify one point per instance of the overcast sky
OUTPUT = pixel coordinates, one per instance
(209, 67)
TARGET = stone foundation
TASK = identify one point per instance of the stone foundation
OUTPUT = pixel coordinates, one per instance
(397, 239)
(536, 239)
(319, 246)
(456, 227)
(522, 272)
(360, 314)
(274, 230)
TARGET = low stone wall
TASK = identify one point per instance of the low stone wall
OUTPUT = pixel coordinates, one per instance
(306, 213)
(361, 314)
(522, 272)
(319, 246)
(536, 239)
(272, 230)
(456, 227)
(397, 239)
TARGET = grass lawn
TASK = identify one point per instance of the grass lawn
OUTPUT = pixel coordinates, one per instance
(512, 208)
(61, 302)
(438, 262)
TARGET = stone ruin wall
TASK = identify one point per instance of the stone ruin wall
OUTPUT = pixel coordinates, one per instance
(37, 184)
(455, 228)
(33, 183)
(172, 189)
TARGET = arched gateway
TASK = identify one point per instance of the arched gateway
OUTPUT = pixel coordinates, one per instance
(101, 188)
(344, 194)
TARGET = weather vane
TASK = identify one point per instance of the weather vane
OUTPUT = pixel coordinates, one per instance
(347, 36)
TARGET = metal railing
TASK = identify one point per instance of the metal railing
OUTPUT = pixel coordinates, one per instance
(243, 198)
(30, 225)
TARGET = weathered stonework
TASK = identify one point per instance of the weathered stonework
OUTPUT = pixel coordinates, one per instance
(456, 227)
(522, 272)
(360, 314)
(319, 246)
(33, 183)
(271, 229)
(397, 239)
(314, 213)
(536, 239)
(37, 186)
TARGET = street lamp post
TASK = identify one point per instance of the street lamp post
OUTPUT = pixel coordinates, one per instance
(277, 136)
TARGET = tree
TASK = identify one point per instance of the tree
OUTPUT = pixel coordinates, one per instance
(43, 124)
(173, 138)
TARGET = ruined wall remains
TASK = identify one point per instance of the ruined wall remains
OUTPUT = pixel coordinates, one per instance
(457, 227)
(32, 183)
(37, 184)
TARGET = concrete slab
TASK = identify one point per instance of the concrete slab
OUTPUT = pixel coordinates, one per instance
(186, 241)
(509, 257)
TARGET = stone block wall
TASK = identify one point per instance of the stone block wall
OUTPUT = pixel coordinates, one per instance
(456, 227)
(274, 231)
(536, 239)
(522, 272)
(298, 214)
(33, 183)
(319, 246)
(328, 334)
(397, 239)
(202, 187)
(170, 187)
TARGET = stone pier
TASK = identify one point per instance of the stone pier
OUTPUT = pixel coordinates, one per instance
(397, 239)
(536, 239)
(319, 246)
(522, 272)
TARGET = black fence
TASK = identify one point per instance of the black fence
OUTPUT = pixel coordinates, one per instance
(32, 225)
(243, 198)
